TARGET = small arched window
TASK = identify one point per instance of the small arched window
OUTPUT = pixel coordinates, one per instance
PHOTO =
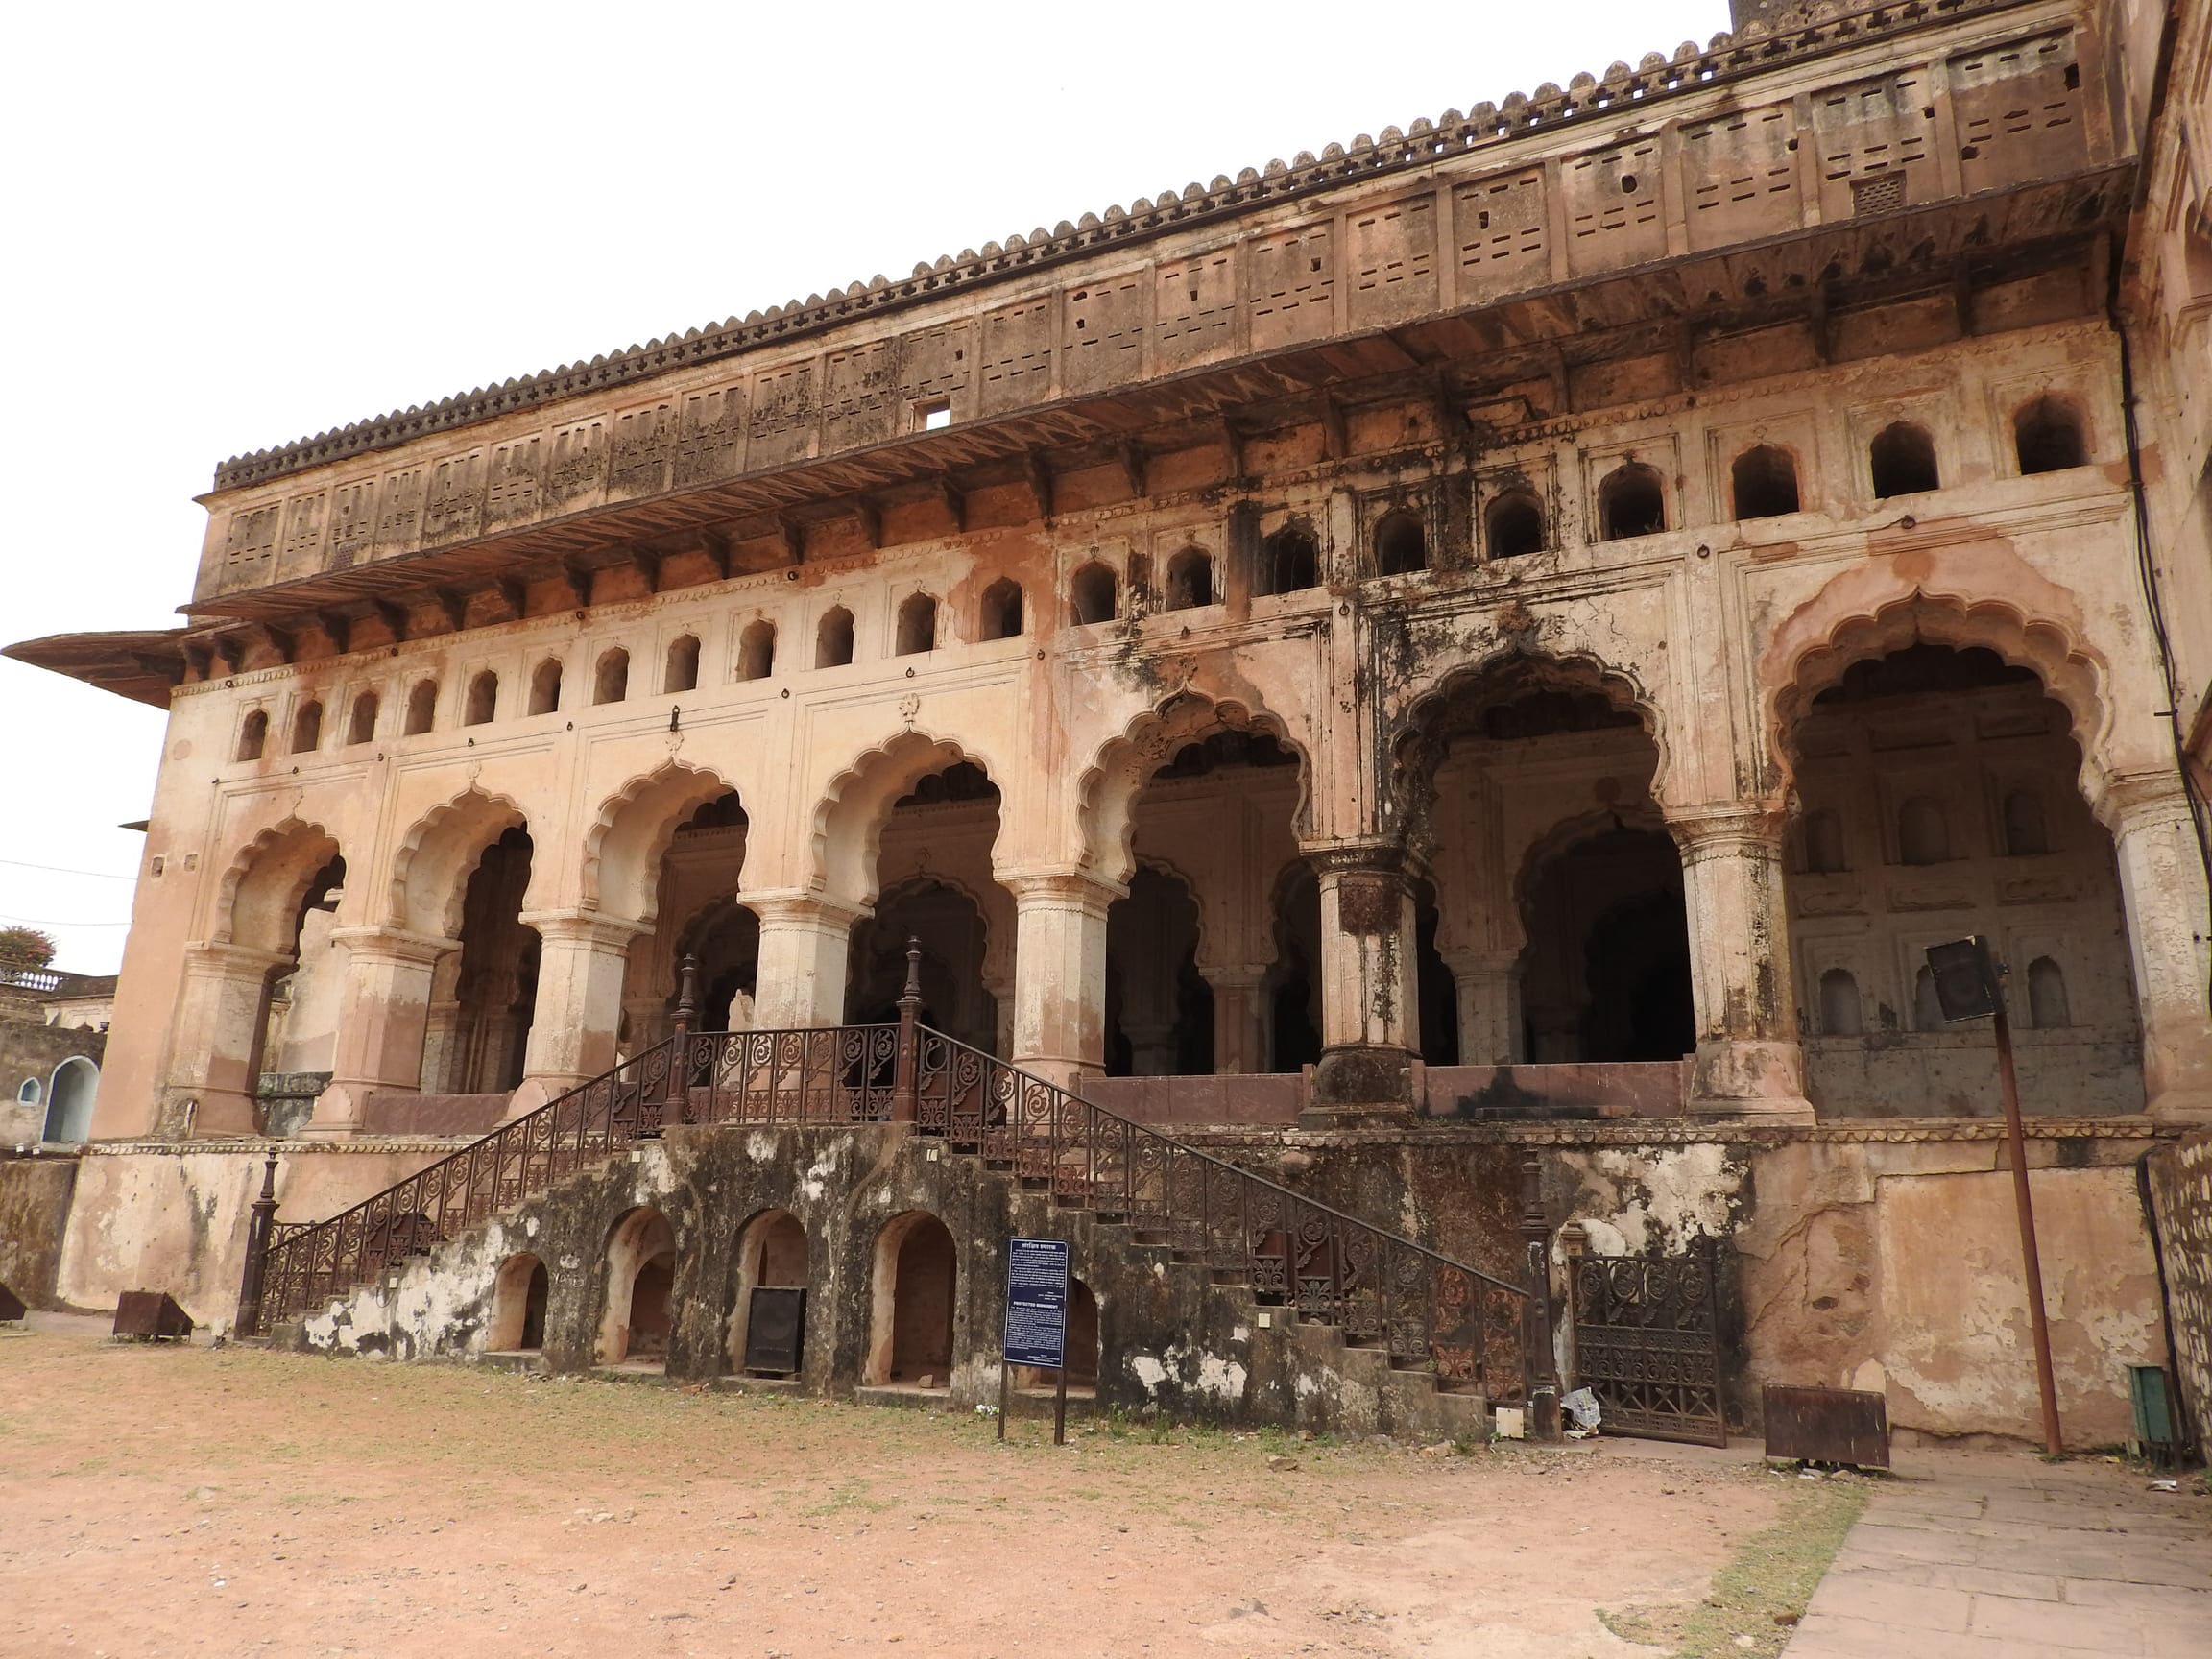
(1824, 853)
(1092, 596)
(483, 699)
(1000, 613)
(611, 681)
(1923, 834)
(2047, 437)
(1840, 1013)
(1290, 561)
(1631, 501)
(1926, 1006)
(253, 736)
(680, 671)
(2025, 835)
(1400, 545)
(1901, 461)
(362, 728)
(1765, 482)
(917, 624)
(546, 687)
(757, 651)
(2047, 1009)
(1189, 579)
(30, 1092)
(1513, 525)
(421, 707)
(834, 638)
(307, 729)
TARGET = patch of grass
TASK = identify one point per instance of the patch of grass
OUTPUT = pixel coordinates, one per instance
(1762, 1591)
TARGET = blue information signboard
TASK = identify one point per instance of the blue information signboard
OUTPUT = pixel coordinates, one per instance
(1036, 1303)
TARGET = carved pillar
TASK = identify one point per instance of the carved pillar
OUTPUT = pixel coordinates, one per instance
(216, 1064)
(1370, 1030)
(1060, 972)
(584, 958)
(804, 941)
(1488, 987)
(1750, 1064)
(2162, 885)
(1239, 1012)
(383, 1013)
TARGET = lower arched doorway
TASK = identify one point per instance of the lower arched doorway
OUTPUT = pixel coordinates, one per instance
(518, 1299)
(768, 1317)
(640, 1291)
(1607, 974)
(916, 1280)
(69, 1101)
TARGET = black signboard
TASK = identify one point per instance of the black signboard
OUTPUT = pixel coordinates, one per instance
(775, 1330)
(1036, 1303)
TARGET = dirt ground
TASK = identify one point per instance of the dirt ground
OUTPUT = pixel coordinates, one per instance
(188, 1501)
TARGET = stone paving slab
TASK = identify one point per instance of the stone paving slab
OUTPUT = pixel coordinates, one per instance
(1995, 1555)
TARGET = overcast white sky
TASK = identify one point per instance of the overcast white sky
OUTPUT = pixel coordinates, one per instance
(230, 226)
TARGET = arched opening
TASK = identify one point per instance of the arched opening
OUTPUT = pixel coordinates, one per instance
(546, 687)
(834, 638)
(671, 853)
(1092, 595)
(915, 1287)
(253, 736)
(680, 672)
(485, 996)
(640, 1286)
(1190, 580)
(307, 727)
(1434, 985)
(1841, 1012)
(296, 1028)
(956, 940)
(1631, 501)
(2047, 436)
(362, 728)
(1901, 461)
(610, 678)
(1000, 615)
(1292, 987)
(1969, 765)
(1159, 1008)
(421, 707)
(1764, 480)
(1079, 1346)
(483, 699)
(1400, 545)
(768, 1319)
(69, 1101)
(1822, 838)
(1607, 974)
(917, 624)
(518, 1324)
(1513, 525)
(1290, 560)
(757, 651)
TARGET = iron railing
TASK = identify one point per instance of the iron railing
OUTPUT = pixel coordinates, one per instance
(1380, 1289)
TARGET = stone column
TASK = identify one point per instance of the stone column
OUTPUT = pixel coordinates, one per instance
(1060, 972)
(1239, 1005)
(583, 959)
(804, 941)
(215, 1067)
(1370, 1017)
(2162, 885)
(1489, 996)
(383, 1012)
(1750, 1064)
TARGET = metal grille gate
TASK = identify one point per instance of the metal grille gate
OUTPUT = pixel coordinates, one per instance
(1647, 1343)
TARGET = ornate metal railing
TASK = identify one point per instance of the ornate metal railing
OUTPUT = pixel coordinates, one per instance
(1380, 1289)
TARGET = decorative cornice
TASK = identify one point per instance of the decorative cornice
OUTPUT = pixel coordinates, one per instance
(1829, 26)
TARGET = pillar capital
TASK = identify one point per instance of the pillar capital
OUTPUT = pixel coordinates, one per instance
(1362, 857)
(2130, 800)
(216, 956)
(589, 929)
(392, 944)
(1726, 828)
(801, 907)
(1066, 886)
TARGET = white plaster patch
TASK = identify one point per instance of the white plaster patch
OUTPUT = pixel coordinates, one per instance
(1149, 1371)
(815, 1182)
(1223, 1379)
(1680, 1195)
(760, 1146)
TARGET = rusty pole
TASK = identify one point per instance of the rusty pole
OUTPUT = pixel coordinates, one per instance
(2017, 1140)
(1540, 1363)
(260, 1224)
(907, 1083)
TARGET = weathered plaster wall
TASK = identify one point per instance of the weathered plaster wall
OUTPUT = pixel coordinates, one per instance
(30, 1050)
(2181, 1195)
(34, 1212)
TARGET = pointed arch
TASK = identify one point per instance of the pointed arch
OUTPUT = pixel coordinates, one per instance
(1107, 789)
(435, 858)
(258, 901)
(631, 832)
(847, 829)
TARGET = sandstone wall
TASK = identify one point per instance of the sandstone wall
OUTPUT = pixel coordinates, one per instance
(2181, 1196)
(35, 1195)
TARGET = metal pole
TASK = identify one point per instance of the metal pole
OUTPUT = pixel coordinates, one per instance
(906, 1081)
(1060, 1403)
(1005, 1372)
(260, 1223)
(2008, 1087)
(1541, 1365)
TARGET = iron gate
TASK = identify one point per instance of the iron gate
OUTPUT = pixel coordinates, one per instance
(1647, 1344)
